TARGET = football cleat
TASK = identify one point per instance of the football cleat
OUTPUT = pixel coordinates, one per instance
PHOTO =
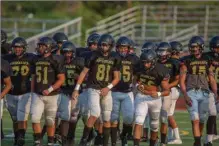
(175, 141)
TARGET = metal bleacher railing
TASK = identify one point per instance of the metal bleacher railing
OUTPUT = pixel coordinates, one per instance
(155, 23)
(71, 28)
(27, 27)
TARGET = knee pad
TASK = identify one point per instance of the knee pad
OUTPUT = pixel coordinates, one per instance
(194, 116)
(139, 119)
(203, 118)
(106, 115)
(50, 121)
(35, 119)
(164, 116)
(95, 112)
(154, 125)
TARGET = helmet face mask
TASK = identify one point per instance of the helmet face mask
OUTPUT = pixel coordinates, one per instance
(148, 59)
(18, 50)
(68, 50)
(105, 43)
(92, 46)
(92, 41)
(195, 50)
(45, 45)
(123, 50)
(19, 46)
(123, 45)
(105, 47)
(196, 45)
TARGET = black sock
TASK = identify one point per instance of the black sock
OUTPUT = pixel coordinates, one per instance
(37, 136)
(86, 132)
(197, 140)
(106, 135)
(50, 139)
(98, 139)
(127, 130)
(136, 142)
(16, 133)
(71, 131)
(21, 133)
(43, 131)
(215, 128)
(210, 126)
(113, 135)
(163, 138)
(2, 133)
(152, 142)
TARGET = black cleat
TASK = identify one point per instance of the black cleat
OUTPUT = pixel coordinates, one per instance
(20, 141)
(124, 141)
(83, 142)
(144, 139)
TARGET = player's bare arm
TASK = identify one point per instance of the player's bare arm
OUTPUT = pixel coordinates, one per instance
(183, 71)
(8, 85)
(57, 85)
(116, 75)
(213, 84)
(80, 80)
(175, 82)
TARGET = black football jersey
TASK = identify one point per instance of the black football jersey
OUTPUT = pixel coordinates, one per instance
(154, 76)
(46, 71)
(72, 71)
(101, 69)
(80, 51)
(215, 64)
(22, 69)
(173, 66)
(128, 68)
(5, 71)
(197, 71)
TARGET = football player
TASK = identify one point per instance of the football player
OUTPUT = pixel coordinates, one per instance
(92, 42)
(173, 131)
(49, 76)
(211, 123)
(123, 98)
(147, 46)
(5, 46)
(164, 53)
(103, 67)
(195, 77)
(148, 99)
(19, 98)
(6, 85)
(72, 67)
(59, 38)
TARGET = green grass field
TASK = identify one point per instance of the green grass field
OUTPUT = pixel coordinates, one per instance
(181, 117)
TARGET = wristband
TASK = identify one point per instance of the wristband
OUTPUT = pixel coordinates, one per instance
(158, 94)
(50, 89)
(77, 87)
(110, 86)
